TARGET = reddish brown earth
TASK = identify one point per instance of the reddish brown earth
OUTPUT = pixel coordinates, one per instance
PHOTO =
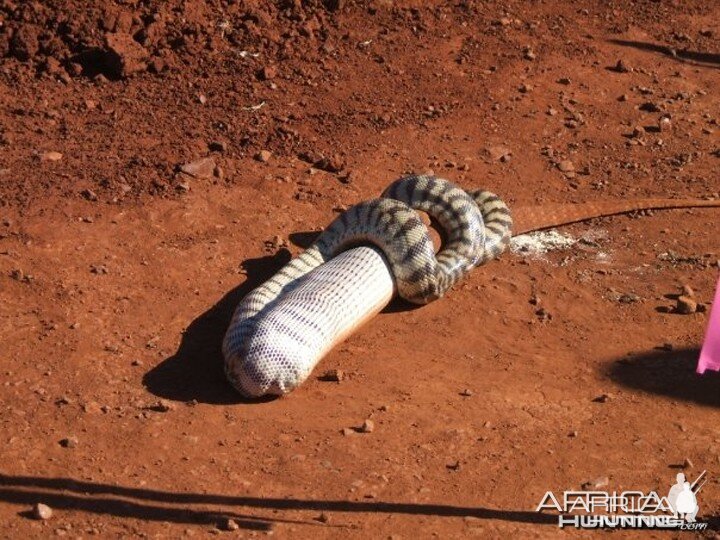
(118, 272)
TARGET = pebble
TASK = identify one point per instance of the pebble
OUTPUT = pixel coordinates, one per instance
(267, 73)
(499, 153)
(200, 168)
(628, 298)
(227, 524)
(69, 442)
(125, 55)
(51, 156)
(638, 131)
(89, 194)
(566, 166)
(597, 483)
(622, 67)
(42, 511)
(602, 398)
(665, 124)
(688, 464)
(218, 146)
(347, 431)
(368, 426)
(333, 375)
(564, 80)
(525, 88)
(649, 106)
(466, 393)
(686, 305)
(263, 156)
(162, 406)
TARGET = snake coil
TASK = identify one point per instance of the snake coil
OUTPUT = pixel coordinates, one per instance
(282, 329)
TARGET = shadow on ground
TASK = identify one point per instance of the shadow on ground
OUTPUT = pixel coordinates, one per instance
(195, 371)
(68, 494)
(711, 60)
(668, 373)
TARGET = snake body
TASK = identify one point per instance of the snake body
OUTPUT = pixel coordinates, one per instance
(281, 329)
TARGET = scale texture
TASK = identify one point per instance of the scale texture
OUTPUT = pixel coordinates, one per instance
(282, 329)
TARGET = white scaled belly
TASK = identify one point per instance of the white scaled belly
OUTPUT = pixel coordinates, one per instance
(276, 350)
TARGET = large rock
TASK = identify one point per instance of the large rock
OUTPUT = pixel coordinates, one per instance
(125, 56)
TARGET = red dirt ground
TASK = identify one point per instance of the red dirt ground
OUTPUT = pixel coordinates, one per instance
(118, 272)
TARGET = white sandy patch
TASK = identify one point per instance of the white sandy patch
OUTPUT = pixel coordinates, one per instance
(540, 242)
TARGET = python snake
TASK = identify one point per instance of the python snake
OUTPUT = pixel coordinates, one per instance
(281, 329)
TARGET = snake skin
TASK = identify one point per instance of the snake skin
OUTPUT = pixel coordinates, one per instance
(280, 330)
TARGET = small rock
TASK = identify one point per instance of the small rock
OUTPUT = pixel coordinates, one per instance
(628, 298)
(638, 131)
(566, 166)
(597, 483)
(665, 124)
(602, 398)
(499, 153)
(525, 88)
(161, 406)
(688, 291)
(51, 156)
(466, 393)
(529, 54)
(218, 146)
(686, 305)
(42, 511)
(267, 73)
(227, 524)
(564, 80)
(69, 442)
(333, 375)
(323, 518)
(25, 43)
(125, 56)
(368, 426)
(622, 67)
(89, 194)
(333, 164)
(688, 464)
(347, 431)
(263, 156)
(202, 99)
(649, 106)
(201, 168)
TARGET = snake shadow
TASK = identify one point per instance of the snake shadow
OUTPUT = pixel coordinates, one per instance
(700, 59)
(195, 371)
(668, 373)
(164, 506)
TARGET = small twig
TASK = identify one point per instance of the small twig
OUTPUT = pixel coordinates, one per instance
(254, 107)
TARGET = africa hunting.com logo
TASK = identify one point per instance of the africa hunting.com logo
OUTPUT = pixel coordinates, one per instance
(629, 509)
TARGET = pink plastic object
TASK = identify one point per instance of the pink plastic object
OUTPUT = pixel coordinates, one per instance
(710, 353)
